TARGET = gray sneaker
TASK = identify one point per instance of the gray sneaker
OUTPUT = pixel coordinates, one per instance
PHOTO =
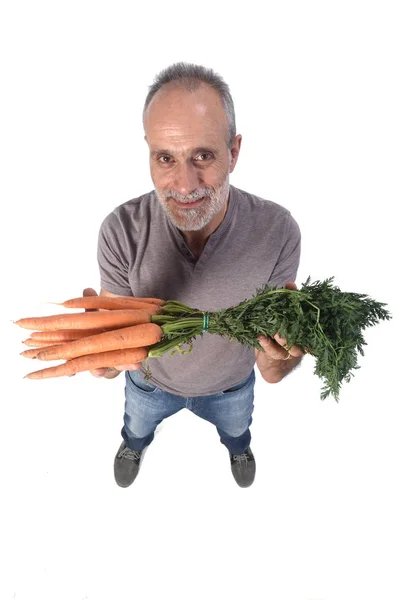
(243, 467)
(127, 465)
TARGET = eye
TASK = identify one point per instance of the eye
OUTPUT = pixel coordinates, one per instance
(165, 162)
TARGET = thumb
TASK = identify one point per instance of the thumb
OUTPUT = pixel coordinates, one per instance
(89, 292)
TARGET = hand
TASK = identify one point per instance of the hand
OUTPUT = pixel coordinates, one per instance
(108, 372)
(277, 349)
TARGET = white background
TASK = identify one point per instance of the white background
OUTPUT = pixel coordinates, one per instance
(316, 92)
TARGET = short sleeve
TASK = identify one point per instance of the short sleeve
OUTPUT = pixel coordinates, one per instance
(287, 265)
(113, 257)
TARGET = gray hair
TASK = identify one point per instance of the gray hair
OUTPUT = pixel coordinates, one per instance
(190, 77)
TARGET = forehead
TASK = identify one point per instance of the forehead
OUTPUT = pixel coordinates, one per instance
(193, 118)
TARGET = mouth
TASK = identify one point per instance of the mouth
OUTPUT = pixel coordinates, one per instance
(189, 204)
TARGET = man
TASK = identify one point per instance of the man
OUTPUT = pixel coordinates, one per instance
(197, 239)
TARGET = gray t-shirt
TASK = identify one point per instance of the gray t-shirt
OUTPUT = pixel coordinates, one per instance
(141, 253)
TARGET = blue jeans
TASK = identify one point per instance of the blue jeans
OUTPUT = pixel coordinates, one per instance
(146, 406)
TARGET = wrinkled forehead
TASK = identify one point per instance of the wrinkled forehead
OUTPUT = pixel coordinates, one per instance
(174, 112)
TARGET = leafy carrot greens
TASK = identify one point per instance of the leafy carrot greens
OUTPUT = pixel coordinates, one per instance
(319, 318)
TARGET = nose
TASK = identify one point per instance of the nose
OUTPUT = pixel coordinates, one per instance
(186, 179)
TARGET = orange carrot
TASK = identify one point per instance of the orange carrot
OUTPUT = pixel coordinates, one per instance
(65, 335)
(136, 336)
(107, 318)
(151, 300)
(36, 343)
(31, 353)
(112, 358)
(107, 302)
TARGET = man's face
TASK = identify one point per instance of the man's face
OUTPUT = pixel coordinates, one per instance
(189, 156)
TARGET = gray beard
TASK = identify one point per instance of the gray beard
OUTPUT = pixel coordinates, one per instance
(194, 219)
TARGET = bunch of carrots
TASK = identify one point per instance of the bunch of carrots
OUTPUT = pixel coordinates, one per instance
(115, 331)
(319, 318)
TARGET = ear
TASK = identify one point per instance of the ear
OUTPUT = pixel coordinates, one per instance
(235, 152)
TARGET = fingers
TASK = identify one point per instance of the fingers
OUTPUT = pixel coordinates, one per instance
(272, 348)
(90, 292)
(276, 348)
(111, 372)
(99, 372)
(293, 350)
(106, 372)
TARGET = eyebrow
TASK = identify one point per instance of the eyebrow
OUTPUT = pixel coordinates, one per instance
(194, 151)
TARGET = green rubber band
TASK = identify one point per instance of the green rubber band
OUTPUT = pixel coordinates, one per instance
(205, 321)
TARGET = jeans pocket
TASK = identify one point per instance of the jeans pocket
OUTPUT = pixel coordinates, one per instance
(138, 382)
(238, 386)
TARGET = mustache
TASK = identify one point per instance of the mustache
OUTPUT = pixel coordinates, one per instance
(191, 198)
